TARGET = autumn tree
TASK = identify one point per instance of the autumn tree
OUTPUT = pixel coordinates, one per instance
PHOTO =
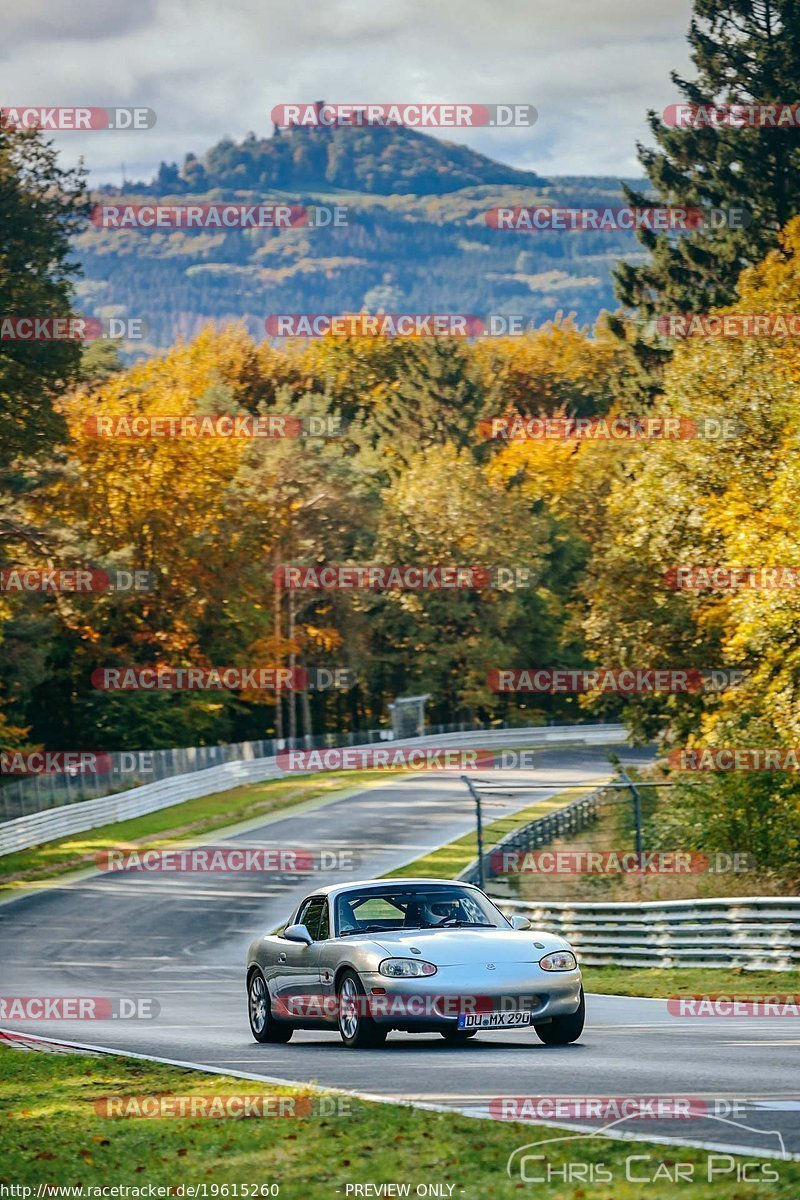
(556, 368)
(444, 510)
(717, 500)
(41, 207)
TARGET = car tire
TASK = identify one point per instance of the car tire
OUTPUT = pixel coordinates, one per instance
(263, 1025)
(456, 1036)
(357, 1030)
(563, 1030)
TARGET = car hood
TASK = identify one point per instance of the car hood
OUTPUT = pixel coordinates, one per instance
(458, 947)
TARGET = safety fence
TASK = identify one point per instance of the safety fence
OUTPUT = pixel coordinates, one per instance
(51, 824)
(126, 769)
(570, 819)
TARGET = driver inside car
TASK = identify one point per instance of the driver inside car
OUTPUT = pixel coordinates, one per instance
(422, 914)
(446, 912)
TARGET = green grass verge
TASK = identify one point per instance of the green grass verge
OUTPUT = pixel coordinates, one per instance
(448, 861)
(53, 1135)
(661, 982)
(179, 822)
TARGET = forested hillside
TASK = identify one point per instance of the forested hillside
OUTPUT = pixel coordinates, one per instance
(416, 238)
(379, 161)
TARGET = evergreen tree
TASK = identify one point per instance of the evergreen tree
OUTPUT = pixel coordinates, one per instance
(41, 207)
(438, 398)
(746, 52)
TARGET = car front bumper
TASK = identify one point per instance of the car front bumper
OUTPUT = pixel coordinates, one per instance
(438, 1000)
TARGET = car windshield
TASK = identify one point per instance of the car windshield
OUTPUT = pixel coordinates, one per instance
(379, 910)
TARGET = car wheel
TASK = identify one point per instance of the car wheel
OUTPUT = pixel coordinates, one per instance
(456, 1036)
(563, 1030)
(263, 1025)
(358, 1031)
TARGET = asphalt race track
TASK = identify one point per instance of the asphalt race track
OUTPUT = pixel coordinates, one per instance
(182, 938)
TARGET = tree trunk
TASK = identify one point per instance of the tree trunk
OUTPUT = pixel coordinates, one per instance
(305, 714)
(292, 695)
(276, 635)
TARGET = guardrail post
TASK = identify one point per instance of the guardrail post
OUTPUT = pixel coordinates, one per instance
(476, 796)
(637, 804)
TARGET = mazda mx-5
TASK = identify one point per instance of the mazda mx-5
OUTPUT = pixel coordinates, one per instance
(417, 955)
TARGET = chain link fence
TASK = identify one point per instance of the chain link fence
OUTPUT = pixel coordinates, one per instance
(133, 768)
(571, 819)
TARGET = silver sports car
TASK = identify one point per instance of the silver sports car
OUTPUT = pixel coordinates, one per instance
(419, 955)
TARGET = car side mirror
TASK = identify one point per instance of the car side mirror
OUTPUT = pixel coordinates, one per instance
(298, 933)
(520, 923)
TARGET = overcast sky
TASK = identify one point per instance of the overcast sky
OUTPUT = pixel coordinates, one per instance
(212, 68)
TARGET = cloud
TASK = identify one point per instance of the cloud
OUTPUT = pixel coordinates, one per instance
(86, 21)
(209, 70)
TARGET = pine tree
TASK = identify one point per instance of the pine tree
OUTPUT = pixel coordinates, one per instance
(438, 398)
(41, 208)
(745, 52)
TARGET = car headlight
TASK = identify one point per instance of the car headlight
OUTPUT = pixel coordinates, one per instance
(559, 960)
(406, 968)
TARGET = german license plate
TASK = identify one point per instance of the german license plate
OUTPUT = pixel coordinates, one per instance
(494, 1020)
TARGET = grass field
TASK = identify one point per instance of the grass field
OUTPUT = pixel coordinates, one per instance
(661, 983)
(53, 1135)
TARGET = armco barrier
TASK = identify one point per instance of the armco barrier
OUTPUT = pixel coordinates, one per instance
(758, 933)
(54, 823)
(126, 769)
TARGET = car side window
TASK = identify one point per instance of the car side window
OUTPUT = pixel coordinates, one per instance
(303, 913)
(315, 918)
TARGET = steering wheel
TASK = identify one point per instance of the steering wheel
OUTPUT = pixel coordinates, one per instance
(448, 921)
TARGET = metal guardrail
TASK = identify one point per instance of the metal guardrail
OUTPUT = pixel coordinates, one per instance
(125, 769)
(133, 768)
(51, 824)
(570, 819)
(128, 769)
(758, 933)
(54, 823)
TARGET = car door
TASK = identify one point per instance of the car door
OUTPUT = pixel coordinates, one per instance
(329, 953)
(297, 984)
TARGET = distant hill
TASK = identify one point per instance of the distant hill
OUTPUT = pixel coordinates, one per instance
(378, 161)
(416, 239)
